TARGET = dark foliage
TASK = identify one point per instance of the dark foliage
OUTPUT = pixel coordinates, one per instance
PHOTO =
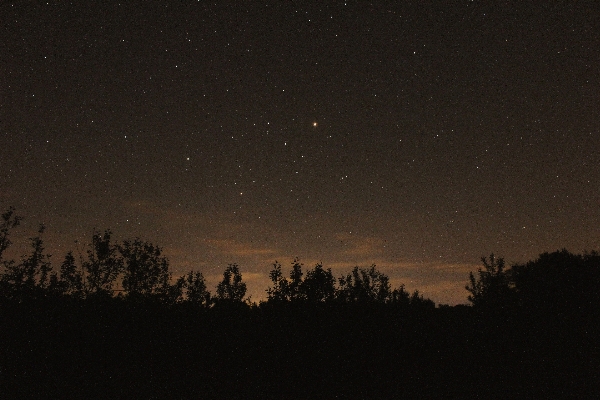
(195, 286)
(114, 326)
(231, 289)
(146, 272)
(365, 285)
(491, 288)
(8, 221)
(103, 266)
(559, 283)
(31, 277)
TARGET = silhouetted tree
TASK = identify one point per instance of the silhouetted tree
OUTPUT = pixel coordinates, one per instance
(294, 291)
(491, 287)
(284, 289)
(318, 286)
(103, 265)
(280, 291)
(555, 283)
(417, 300)
(145, 270)
(400, 296)
(558, 282)
(71, 278)
(30, 277)
(8, 221)
(364, 285)
(231, 288)
(195, 289)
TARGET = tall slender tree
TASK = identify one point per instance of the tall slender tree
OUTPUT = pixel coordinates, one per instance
(103, 265)
(231, 288)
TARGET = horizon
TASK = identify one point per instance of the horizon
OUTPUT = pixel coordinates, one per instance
(440, 283)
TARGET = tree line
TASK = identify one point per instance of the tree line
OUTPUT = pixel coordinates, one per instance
(112, 321)
(137, 269)
(134, 269)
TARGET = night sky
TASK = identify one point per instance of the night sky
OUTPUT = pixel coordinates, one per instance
(418, 136)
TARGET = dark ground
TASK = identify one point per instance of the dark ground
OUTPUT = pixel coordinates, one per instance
(115, 349)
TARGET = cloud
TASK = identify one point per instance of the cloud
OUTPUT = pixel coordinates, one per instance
(208, 241)
(236, 248)
(361, 247)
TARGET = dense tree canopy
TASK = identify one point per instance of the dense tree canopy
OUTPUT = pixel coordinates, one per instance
(558, 282)
(231, 288)
(491, 287)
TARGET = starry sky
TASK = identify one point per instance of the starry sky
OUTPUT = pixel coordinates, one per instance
(415, 135)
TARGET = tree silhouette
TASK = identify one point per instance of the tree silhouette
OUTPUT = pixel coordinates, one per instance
(103, 265)
(364, 285)
(280, 291)
(231, 288)
(145, 270)
(318, 286)
(294, 291)
(400, 296)
(71, 278)
(284, 289)
(8, 221)
(417, 300)
(558, 282)
(491, 287)
(29, 278)
(195, 289)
